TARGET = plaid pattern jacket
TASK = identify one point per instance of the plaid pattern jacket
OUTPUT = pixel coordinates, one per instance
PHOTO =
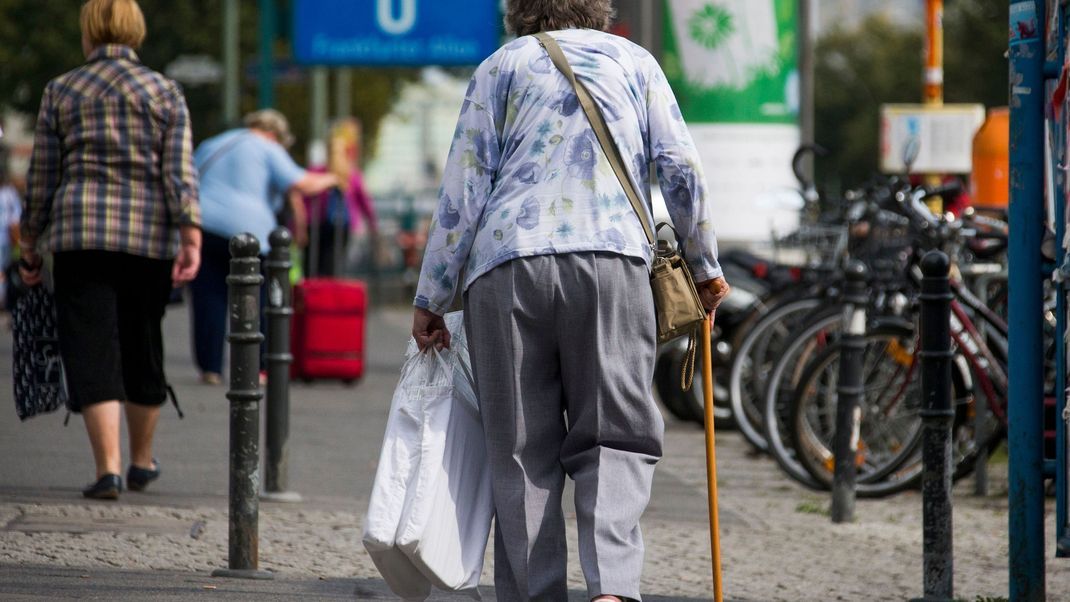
(112, 164)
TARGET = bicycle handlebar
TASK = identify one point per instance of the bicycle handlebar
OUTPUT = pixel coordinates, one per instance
(948, 189)
(796, 161)
(918, 210)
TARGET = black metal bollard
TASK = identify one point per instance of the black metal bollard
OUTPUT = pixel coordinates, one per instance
(279, 312)
(937, 415)
(849, 393)
(244, 309)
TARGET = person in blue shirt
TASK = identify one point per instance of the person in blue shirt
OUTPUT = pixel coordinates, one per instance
(559, 312)
(245, 177)
(10, 213)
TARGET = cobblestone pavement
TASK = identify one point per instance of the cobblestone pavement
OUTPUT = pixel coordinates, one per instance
(778, 543)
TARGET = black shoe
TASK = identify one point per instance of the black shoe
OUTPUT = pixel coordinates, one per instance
(107, 487)
(138, 478)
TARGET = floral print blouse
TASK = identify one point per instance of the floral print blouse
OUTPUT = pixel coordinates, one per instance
(526, 176)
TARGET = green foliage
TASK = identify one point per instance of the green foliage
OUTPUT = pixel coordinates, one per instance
(855, 72)
(975, 42)
(40, 39)
(881, 62)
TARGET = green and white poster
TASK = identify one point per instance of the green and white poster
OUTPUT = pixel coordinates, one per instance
(733, 67)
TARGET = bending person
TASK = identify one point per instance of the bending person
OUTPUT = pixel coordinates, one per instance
(245, 174)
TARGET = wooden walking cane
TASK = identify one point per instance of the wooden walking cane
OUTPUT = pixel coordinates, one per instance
(711, 456)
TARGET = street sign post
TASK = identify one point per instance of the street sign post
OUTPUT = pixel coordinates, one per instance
(395, 32)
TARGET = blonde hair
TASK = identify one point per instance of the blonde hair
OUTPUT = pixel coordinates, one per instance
(344, 137)
(113, 22)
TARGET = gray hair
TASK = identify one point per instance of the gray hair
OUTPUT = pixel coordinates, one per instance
(525, 17)
(271, 121)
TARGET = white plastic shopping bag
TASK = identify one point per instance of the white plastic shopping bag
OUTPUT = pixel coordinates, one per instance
(430, 510)
(422, 379)
(445, 532)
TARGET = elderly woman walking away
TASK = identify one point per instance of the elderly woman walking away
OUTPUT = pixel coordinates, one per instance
(559, 311)
(112, 193)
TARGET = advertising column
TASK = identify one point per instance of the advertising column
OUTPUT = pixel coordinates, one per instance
(733, 67)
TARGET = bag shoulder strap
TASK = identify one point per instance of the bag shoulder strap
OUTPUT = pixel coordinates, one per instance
(219, 152)
(601, 129)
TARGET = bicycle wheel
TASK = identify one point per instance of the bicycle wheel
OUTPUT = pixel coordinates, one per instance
(821, 330)
(753, 362)
(967, 431)
(889, 427)
(889, 454)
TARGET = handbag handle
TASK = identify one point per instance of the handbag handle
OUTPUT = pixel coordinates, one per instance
(601, 129)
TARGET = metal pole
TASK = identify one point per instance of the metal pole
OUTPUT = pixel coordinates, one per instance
(806, 80)
(267, 54)
(320, 102)
(244, 309)
(981, 412)
(933, 78)
(320, 107)
(343, 93)
(646, 18)
(936, 415)
(849, 391)
(1026, 393)
(278, 312)
(231, 62)
(934, 52)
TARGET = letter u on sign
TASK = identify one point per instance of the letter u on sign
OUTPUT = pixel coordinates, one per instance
(399, 24)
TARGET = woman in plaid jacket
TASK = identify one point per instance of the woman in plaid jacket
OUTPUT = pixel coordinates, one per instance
(112, 194)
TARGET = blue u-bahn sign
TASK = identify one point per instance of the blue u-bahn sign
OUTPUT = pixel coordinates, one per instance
(395, 32)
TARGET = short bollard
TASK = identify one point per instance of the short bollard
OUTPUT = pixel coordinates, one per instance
(278, 357)
(849, 393)
(937, 416)
(244, 395)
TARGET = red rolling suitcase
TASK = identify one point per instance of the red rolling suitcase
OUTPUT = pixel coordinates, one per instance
(327, 339)
(327, 335)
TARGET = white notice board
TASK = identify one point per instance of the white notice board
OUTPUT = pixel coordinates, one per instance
(944, 134)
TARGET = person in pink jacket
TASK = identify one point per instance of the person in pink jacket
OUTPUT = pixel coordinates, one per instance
(348, 210)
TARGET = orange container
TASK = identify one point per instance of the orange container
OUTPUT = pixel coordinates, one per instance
(990, 180)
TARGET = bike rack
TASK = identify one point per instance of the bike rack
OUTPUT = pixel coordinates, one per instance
(1037, 53)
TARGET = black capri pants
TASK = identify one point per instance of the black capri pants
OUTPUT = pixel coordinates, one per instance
(109, 308)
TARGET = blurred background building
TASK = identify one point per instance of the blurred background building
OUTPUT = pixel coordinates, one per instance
(865, 53)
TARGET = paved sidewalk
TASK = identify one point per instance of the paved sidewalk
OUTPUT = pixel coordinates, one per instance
(25, 583)
(166, 541)
(778, 543)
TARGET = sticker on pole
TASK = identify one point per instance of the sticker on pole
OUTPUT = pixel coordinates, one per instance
(1024, 26)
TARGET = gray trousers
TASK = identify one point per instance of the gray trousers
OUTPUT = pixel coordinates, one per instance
(563, 348)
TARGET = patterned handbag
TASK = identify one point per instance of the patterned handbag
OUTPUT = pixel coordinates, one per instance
(40, 382)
